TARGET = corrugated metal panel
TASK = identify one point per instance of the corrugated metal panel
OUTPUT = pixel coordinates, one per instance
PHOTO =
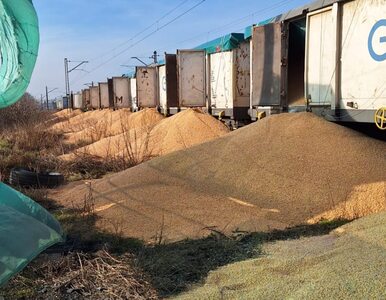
(191, 78)
(94, 97)
(121, 92)
(266, 65)
(147, 86)
(104, 95)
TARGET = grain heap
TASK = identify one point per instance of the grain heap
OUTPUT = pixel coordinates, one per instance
(63, 115)
(148, 135)
(134, 127)
(184, 130)
(80, 121)
(281, 171)
(111, 124)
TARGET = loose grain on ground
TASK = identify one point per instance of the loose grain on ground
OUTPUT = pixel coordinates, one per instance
(285, 170)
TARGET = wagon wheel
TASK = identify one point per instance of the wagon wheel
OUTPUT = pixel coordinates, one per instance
(380, 118)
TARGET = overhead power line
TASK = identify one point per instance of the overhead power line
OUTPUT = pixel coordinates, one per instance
(144, 38)
(142, 31)
(234, 22)
(222, 27)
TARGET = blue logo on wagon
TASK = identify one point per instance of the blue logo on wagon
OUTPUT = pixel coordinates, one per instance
(374, 55)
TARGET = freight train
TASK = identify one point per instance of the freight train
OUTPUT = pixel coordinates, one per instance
(328, 57)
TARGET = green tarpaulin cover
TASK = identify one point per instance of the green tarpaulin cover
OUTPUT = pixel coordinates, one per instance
(19, 43)
(225, 43)
(26, 229)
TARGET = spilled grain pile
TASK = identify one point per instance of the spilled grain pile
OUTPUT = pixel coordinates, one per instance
(282, 171)
(147, 135)
(131, 130)
(184, 130)
(112, 123)
(349, 263)
(63, 115)
(80, 121)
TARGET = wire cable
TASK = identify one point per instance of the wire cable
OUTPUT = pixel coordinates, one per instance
(144, 38)
(142, 31)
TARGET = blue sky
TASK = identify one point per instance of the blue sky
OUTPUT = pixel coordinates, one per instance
(92, 30)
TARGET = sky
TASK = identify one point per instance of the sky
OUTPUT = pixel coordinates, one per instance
(109, 33)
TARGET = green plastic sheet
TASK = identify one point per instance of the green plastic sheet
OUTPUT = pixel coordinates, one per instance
(26, 229)
(19, 44)
(225, 43)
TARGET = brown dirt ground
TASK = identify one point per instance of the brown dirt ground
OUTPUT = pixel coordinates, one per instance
(282, 171)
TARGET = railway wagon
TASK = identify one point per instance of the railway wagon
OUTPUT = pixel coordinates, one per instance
(191, 76)
(328, 57)
(119, 92)
(228, 67)
(168, 85)
(94, 97)
(78, 101)
(147, 87)
(86, 98)
(104, 98)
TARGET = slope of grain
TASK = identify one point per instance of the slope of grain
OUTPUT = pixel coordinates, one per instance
(62, 115)
(112, 123)
(349, 263)
(147, 134)
(282, 171)
(184, 130)
(133, 127)
(80, 121)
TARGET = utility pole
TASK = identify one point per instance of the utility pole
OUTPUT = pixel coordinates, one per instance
(47, 92)
(155, 57)
(140, 60)
(41, 101)
(67, 77)
(47, 97)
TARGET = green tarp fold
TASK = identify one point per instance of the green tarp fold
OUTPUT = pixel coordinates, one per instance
(26, 229)
(225, 43)
(19, 43)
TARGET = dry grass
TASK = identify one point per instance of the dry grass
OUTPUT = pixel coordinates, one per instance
(31, 144)
(81, 276)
